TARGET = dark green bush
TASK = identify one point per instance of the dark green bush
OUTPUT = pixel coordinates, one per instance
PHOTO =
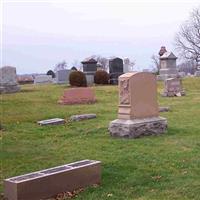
(101, 77)
(78, 79)
(50, 72)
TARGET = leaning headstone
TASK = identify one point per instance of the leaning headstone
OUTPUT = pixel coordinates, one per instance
(168, 67)
(43, 79)
(89, 69)
(82, 117)
(173, 87)
(138, 113)
(62, 76)
(81, 95)
(115, 69)
(54, 121)
(8, 80)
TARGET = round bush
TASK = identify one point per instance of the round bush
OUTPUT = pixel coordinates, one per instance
(50, 72)
(101, 77)
(78, 79)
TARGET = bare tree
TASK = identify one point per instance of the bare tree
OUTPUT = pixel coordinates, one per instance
(77, 64)
(187, 40)
(187, 66)
(60, 66)
(101, 60)
(129, 63)
(156, 62)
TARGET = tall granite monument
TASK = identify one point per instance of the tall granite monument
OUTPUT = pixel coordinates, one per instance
(8, 80)
(89, 69)
(115, 69)
(138, 113)
(168, 67)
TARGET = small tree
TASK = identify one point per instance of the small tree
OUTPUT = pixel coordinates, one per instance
(50, 72)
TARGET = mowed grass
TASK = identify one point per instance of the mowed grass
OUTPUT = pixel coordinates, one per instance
(154, 167)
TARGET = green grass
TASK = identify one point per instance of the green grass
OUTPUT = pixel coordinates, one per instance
(155, 167)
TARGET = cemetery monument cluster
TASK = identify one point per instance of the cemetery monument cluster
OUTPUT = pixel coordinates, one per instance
(116, 68)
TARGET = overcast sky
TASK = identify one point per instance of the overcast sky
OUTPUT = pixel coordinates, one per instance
(39, 34)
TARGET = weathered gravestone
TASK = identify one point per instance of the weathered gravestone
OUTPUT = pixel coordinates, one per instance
(62, 76)
(84, 95)
(89, 69)
(43, 79)
(173, 87)
(8, 80)
(138, 112)
(168, 67)
(115, 69)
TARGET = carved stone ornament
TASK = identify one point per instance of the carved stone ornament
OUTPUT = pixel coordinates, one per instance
(124, 96)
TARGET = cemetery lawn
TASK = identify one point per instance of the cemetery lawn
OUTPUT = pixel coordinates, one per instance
(153, 167)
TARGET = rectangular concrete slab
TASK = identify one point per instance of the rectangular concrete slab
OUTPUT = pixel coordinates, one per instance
(49, 182)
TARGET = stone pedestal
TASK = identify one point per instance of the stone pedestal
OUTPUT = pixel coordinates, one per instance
(9, 88)
(137, 127)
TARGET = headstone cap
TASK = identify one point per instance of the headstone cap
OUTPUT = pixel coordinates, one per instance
(129, 74)
(168, 55)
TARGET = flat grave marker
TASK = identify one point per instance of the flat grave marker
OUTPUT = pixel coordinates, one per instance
(50, 182)
(54, 121)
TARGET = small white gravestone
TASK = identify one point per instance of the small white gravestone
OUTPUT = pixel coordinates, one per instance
(8, 80)
(42, 79)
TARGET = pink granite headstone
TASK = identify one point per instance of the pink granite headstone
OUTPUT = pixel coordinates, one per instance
(84, 95)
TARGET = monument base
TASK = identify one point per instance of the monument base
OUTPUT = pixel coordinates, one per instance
(9, 88)
(166, 76)
(173, 94)
(138, 127)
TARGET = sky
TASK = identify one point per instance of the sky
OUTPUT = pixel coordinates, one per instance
(36, 35)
